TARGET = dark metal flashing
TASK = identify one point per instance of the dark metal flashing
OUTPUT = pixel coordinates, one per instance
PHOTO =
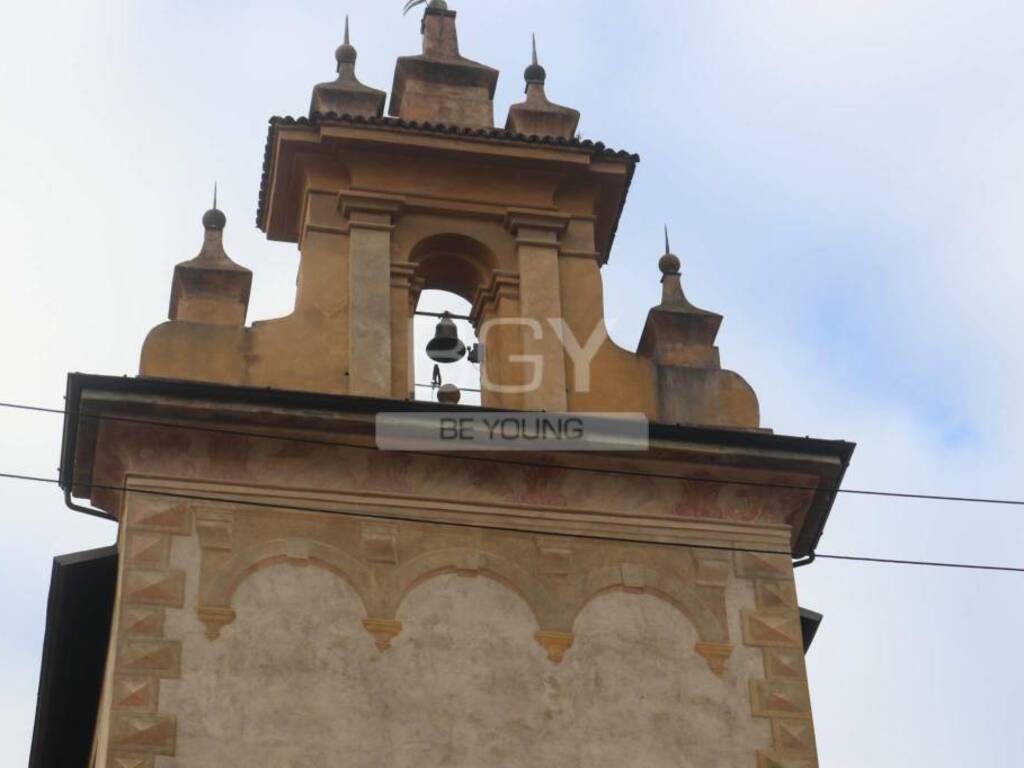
(78, 616)
(810, 623)
(397, 124)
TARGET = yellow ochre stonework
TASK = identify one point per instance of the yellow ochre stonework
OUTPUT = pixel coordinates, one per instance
(288, 594)
(383, 208)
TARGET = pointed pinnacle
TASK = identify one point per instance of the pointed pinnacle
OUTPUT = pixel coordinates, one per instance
(668, 249)
(346, 30)
(535, 62)
(215, 195)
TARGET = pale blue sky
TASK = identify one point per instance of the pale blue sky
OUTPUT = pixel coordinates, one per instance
(843, 180)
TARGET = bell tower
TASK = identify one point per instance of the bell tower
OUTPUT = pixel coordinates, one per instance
(518, 221)
(290, 594)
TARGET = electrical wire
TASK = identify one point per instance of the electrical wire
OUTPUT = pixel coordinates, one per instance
(538, 465)
(503, 529)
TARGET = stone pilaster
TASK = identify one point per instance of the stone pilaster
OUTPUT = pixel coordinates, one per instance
(537, 249)
(371, 222)
(405, 291)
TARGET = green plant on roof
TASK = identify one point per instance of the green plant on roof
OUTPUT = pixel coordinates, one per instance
(433, 4)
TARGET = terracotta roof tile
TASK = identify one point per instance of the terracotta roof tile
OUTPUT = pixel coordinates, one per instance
(394, 123)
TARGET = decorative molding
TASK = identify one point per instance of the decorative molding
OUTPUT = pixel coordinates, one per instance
(369, 209)
(148, 513)
(158, 657)
(503, 285)
(137, 730)
(794, 736)
(214, 526)
(383, 631)
(148, 550)
(385, 561)
(770, 566)
(139, 692)
(713, 571)
(776, 629)
(215, 619)
(153, 733)
(785, 663)
(775, 595)
(780, 698)
(555, 557)
(705, 612)
(633, 578)
(716, 655)
(379, 543)
(555, 643)
(159, 588)
(143, 620)
(470, 563)
(534, 222)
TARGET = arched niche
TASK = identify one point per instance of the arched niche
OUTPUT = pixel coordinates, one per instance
(456, 263)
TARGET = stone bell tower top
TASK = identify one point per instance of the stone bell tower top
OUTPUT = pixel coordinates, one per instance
(441, 86)
(211, 288)
(518, 222)
(346, 95)
(537, 116)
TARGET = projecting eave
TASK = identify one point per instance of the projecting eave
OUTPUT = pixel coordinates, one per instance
(292, 141)
(803, 473)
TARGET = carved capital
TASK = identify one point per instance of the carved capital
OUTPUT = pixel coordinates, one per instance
(555, 557)
(215, 619)
(537, 227)
(213, 527)
(556, 644)
(716, 655)
(503, 285)
(379, 543)
(369, 210)
(383, 631)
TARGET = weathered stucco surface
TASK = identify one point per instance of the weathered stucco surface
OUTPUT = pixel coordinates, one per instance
(289, 596)
(296, 680)
(257, 635)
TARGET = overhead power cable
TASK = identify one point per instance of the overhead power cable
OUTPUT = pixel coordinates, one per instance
(218, 499)
(538, 465)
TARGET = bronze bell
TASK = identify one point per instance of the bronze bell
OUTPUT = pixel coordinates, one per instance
(445, 347)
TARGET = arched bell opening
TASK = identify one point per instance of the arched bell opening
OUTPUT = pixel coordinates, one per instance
(450, 272)
(461, 371)
(454, 263)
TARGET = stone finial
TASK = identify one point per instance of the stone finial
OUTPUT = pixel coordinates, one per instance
(538, 116)
(535, 74)
(346, 95)
(700, 326)
(211, 288)
(346, 52)
(441, 85)
(680, 339)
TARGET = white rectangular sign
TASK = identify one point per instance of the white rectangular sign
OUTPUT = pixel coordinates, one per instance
(512, 431)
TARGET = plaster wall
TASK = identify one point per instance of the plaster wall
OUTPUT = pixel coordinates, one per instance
(263, 636)
(296, 680)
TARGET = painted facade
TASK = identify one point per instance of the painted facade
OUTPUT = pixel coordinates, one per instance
(288, 595)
